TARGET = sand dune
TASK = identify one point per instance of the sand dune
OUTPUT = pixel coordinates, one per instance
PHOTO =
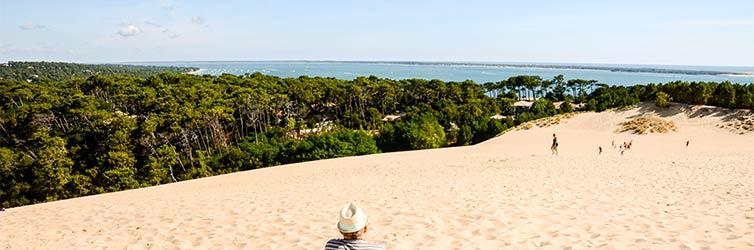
(506, 193)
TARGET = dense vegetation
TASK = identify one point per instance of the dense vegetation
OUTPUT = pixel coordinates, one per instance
(59, 71)
(63, 139)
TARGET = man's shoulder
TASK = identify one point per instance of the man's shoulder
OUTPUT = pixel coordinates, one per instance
(335, 244)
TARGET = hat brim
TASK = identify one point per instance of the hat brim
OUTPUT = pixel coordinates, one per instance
(352, 228)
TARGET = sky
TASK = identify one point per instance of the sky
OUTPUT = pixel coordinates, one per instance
(626, 32)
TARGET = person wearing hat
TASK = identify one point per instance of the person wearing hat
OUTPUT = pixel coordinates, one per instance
(352, 225)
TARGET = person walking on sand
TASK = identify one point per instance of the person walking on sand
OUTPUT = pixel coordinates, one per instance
(554, 147)
(687, 143)
(600, 150)
(353, 226)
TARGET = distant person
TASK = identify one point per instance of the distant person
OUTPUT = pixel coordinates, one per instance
(687, 143)
(622, 149)
(353, 226)
(554, 147)
(612, 143)
(600, 150)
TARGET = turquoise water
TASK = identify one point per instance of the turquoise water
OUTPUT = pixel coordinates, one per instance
(458, 72)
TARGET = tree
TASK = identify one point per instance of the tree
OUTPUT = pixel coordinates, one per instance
(531, 82)
(701, 93)
(160, 167)
(572, 85)
(662, 99)
(744, 96)
(578, 88)
(121, 177)
(51, 167)
(425, 134)
(560, 87)
(566, 107)
(422, 132)
(725, 95)
(118, 162)
(60, 71)
(543, 107)
(13, 187)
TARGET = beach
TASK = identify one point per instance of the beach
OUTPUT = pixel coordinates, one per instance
(194, 72)
(509, 192)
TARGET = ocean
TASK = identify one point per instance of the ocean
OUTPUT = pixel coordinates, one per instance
(612, 74)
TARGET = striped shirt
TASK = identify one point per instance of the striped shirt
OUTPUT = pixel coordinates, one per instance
(357, 244)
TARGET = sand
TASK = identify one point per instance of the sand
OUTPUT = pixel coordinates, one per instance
(506, 193)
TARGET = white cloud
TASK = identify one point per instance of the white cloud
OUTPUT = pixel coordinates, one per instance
(129, 30)
(154, 24)
(168, 6)
(197, 20)
(32, 26)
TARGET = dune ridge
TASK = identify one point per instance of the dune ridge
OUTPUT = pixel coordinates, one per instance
(505, 193)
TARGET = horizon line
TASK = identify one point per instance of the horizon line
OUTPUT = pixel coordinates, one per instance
(393, 61)
(433, 61)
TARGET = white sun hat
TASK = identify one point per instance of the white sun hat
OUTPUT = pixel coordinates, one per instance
(352, 219)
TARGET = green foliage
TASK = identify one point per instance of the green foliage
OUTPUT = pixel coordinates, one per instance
(51, 167)
(725, 95)
(234, 160)
(426, 133)
(422, 132)
(390, 137)
(605, 98)
(122, 175)
(200, 167)
(487, 128)
(543, 107)
(59, 71)
(14, 187)
(559, 89)
(662, 99)
(566, 107)
(340, 143)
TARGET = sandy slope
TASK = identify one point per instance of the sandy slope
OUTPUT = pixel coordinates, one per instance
(506, 193)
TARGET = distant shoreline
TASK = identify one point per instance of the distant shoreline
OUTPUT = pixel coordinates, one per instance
(740, 74)
(578, 67)
(629, 69)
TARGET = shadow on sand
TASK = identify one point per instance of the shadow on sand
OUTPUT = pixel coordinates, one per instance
(692, 111)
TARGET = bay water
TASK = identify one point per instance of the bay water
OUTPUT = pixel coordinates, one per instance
(479, 73)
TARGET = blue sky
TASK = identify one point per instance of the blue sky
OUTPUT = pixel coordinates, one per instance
(628, 32)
